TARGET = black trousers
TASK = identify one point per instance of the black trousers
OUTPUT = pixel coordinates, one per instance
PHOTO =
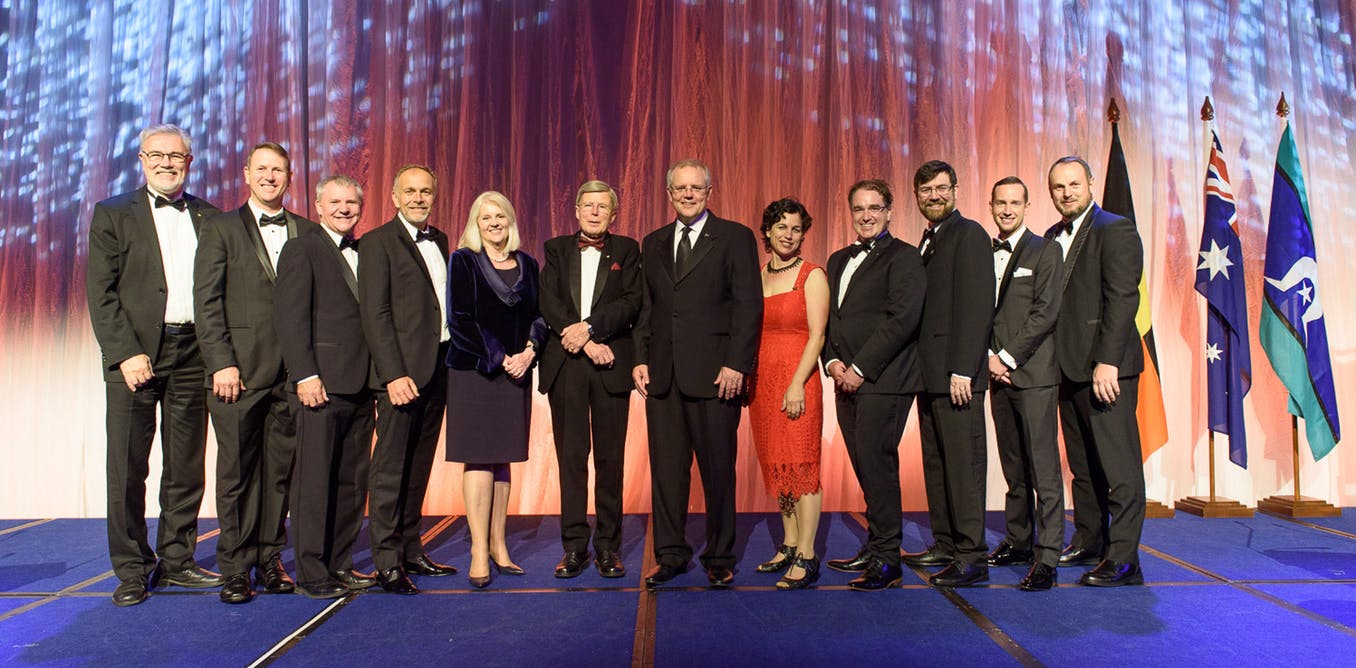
(682, 428)
(584, 414)
(1102, 444)
(1026, 422)
(955, 467)
(256, 442)
(177, 389)
(872, 425)
(402, 459)
(329, 482)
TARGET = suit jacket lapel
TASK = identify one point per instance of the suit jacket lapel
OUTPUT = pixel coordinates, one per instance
(198, 212)
(141, 211)
(604, 272)
(1016, 256)
(575, 267)
(665, 243)
(403, 238)
(872, 257)
(700, 249)
(1076, 246)
(257, 238)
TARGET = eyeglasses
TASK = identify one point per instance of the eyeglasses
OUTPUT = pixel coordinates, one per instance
(157, 156)
(683, 190)
(600, 206)
(943, 190)
(874, 209)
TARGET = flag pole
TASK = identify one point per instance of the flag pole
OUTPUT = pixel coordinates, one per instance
(1212, 506)
(1295, 505)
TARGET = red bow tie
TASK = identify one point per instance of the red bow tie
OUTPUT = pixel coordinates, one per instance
(588, 242)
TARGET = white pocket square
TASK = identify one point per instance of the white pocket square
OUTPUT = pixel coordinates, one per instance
(1019, 272)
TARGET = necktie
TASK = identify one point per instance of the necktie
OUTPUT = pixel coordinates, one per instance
(684, 250)
(422, 235)
(279, 219)
(861, 247)
(1003, 244)
(180, 204)
(586, 241)
(928, 234)
(348, 242)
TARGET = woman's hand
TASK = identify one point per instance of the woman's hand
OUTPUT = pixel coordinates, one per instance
(793, 402)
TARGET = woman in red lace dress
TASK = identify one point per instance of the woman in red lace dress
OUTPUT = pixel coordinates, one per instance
(787, 407)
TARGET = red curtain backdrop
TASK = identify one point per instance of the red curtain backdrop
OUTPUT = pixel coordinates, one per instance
(780, 98)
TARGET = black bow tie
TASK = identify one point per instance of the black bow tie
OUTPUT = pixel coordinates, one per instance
(348, 242)
(423, 235)
(1062, 228)
(279, 219)
(180, 204)
(861, 247)
(1001, 244)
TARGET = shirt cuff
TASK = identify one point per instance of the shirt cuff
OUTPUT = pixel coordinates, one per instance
(310, 377)
(1007, 359)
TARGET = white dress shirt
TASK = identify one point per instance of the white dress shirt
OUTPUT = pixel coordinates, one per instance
(588, 278)
(350, 254)
(275, 236)
(1065, 238)
(178, 244)
(696, 232)
(1001, 258)
(437, 271)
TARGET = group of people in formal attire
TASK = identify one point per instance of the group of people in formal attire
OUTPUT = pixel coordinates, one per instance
(300, 343)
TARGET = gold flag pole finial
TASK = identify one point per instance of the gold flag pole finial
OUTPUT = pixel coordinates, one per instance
(1283, 107)
(1207, 110)
(1113, 112)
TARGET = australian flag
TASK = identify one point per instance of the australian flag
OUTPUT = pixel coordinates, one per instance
(1293, 332)
(1219, 278)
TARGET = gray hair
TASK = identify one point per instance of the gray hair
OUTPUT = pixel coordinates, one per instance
(338, 179)
(167, 129)
(687, 162)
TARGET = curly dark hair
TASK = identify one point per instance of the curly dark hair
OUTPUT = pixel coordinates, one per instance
(774, 213)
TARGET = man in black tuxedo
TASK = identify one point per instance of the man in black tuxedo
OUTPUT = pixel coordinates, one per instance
(1100, 359)
(1025, 379)
(695, 343)
(321, 333)
(953, 338)
(139, 283)
(233, 277)
(871, 352)
(590, 298)
(403, 284)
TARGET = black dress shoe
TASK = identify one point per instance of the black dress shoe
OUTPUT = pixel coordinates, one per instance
(130, 592)
(788, 557)
(663, 574)
(877, 576)
(933, 556)
(353, 580)
(572, 564)
(810, 567)
(323, 589)
(1039, 578)
(1007, 555)
(957, 574)
(506, 569)
(856, 564)
(237, 589)
(1074, 555)
(609, 564)
(193, 577)
(1113, 574)
(720, 577)
(275, 578)
(423, 565)
(396, 581)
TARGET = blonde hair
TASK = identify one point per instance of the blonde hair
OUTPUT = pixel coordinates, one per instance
(470, 237)
(596, 186)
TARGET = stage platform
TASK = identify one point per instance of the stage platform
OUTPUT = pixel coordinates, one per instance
(1219, 592)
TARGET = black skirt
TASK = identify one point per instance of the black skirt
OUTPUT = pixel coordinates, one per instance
(488, 417)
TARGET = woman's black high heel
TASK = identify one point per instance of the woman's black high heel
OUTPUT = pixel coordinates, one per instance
(776, 566)
(506, 570)
(811, 568)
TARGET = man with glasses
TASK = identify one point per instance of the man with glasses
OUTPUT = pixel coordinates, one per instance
(871, 352)
(139, 283)
(695, 344)
(953, 346)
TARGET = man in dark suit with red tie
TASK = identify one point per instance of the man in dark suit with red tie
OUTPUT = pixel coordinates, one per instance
(233, 277)
(321, 332)
(590, 298)
(876, 288)
(1024, 394)
(403, 284)
(1098, 349)
(695, 344)
(139, 283)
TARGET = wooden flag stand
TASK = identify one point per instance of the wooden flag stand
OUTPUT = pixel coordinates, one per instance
(1213, 506)
(1294, 505)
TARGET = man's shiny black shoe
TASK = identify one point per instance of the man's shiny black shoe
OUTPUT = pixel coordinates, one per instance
(856, 564)
(610, 565)
(957, 574)
(877, 576)
(663, 574)
(1039, 578)
(1074, 555)
(353, 580)
(237, 589)
(1007, 555)
(423, 565)
(193, 577)
(720, 577)
(275, 578)
(1113, 574)
(130, 592)
(572, 564)
(774, 565)
(933, 556)
(323, 589)
(396, 581)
